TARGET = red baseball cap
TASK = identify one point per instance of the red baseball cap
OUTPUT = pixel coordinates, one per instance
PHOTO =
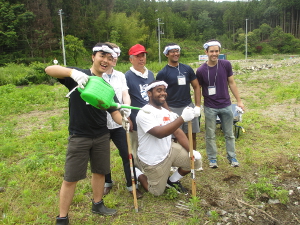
(137, 49)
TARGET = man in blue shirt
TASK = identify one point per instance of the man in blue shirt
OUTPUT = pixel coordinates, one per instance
(179, 77)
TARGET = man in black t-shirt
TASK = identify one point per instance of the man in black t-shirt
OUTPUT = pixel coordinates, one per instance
(89, 135)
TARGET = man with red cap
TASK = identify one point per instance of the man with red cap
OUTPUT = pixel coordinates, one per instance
(138, 77)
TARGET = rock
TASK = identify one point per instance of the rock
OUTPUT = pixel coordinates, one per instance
(291, 192)
(221, 212)
(225, 219)
(2, 189)
(273, 201)
(244, 215)
(251, 218)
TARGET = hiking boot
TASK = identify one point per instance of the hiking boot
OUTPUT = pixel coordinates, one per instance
(100, 208)
(62, 220)
(234, 162)
(177, 185)
(139, 194)
(213, 163)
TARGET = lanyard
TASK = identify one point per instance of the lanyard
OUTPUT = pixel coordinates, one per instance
(215, 75)
(177, 67)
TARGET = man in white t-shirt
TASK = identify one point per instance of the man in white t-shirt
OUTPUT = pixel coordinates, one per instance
(156, 151)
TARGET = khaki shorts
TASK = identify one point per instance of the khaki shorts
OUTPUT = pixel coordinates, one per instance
(83, 149)
(158, 174)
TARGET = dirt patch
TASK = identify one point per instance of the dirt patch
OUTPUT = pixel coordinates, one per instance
(36, 120)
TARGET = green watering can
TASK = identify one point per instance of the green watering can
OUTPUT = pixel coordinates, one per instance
(98, 93)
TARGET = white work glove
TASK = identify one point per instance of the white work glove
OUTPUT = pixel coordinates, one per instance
(197, 110)
(125, 123)
(173, 116)
(239, 109)
(196, 154)
(126, 112)
(188, 114)
(80, 77)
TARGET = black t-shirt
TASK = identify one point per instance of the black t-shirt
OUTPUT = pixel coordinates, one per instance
(85, 120)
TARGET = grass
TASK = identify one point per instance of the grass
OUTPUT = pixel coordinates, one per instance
(33, 139)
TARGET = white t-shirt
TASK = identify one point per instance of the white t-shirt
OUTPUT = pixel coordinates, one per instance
(119, 84)
(152, 150)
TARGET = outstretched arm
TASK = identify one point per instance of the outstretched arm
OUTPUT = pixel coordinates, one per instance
(58, 71)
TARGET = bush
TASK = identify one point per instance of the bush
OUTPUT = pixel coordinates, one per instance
(19, 74)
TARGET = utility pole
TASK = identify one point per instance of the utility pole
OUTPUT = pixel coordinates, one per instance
(158, 28)
(246, 46)
(60, 12)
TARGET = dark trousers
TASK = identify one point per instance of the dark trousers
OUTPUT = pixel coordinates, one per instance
(118, 136)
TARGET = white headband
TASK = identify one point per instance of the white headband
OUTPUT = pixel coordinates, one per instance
(211, 43)
(155, 84)
(105, 48)
(117, 50)
(168, 48)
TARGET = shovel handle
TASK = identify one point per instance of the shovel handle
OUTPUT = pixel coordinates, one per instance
(190, 135)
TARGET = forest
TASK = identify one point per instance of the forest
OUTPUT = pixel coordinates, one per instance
(32, 30)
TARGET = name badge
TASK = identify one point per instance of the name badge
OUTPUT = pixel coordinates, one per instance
(181, 80)
(211, 90)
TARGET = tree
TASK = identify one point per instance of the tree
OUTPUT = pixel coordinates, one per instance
(265, 30)
(204, 21)
(74, 49)
(12, 18)
(38, 35)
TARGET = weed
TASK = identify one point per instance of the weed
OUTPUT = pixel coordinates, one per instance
(236, 66)
(264, 186)
(214, 216)
(171, 193)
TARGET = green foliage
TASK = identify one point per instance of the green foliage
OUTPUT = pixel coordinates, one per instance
(19, 74)
(264, 185)
(214, 217)
(75, 49)
(236, 66)
(284, 92)
(171, 193)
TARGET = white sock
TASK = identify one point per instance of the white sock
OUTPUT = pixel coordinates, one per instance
(138, 172)
(175, 176)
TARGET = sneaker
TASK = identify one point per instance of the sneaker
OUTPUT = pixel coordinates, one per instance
(177, 185)
(100, 208)
(234, 162)
(62, 220)
(213, 163)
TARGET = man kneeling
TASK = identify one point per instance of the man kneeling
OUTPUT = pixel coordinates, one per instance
(156, 151)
